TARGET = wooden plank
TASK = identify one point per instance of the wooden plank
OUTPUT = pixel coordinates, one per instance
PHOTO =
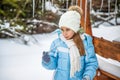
(117, 40)
(102, 75)
(103, 47)
(106, 48)
(108, 74)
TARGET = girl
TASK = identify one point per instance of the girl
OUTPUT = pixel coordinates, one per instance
(72, 54)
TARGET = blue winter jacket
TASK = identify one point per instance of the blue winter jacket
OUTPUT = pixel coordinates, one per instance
(60, 60)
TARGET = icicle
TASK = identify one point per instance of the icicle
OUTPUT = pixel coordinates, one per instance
(62, 1)
(81, 3)
(52, 2)
(76, 2)
(42, 5)
(71, 2)
(33, 8)
(90, 6)
(109, 6)
(67, 4)
(101, 6)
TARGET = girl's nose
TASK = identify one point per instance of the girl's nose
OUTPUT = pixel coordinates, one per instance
(64, 33)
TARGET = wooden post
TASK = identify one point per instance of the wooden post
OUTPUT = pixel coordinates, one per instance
(86, 27)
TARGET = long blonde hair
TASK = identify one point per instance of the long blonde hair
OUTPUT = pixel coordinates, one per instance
(76, 38)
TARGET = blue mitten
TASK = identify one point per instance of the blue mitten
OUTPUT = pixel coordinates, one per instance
(46, 57)
(86, 78)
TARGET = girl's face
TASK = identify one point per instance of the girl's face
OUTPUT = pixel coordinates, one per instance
(67, 33)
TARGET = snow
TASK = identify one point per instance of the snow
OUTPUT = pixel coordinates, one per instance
(23, 62)
(110, 65)
(19, 61)
(52, 7)
(107, 31)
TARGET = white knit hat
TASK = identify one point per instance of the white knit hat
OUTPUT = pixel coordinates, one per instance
(70, 19)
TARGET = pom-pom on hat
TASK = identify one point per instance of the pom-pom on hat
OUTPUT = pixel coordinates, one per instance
(70, 19)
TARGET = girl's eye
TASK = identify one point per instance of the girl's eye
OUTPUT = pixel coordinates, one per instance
(62, 30)
(67, 29)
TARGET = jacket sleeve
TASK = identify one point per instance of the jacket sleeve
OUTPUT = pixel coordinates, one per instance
(52, 64)
(91, 63)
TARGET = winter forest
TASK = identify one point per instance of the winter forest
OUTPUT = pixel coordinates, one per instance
(27, 28)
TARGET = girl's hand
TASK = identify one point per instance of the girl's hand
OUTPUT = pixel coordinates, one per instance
(86, 78)
(46, 57)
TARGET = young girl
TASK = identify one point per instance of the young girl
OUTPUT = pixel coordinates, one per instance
(72, 54)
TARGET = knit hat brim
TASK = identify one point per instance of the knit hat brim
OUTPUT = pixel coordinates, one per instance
(70, 19)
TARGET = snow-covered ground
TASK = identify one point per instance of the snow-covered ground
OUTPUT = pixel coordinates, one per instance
(23, 62)
(107, 31)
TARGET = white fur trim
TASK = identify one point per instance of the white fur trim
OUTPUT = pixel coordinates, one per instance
(62, 49)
